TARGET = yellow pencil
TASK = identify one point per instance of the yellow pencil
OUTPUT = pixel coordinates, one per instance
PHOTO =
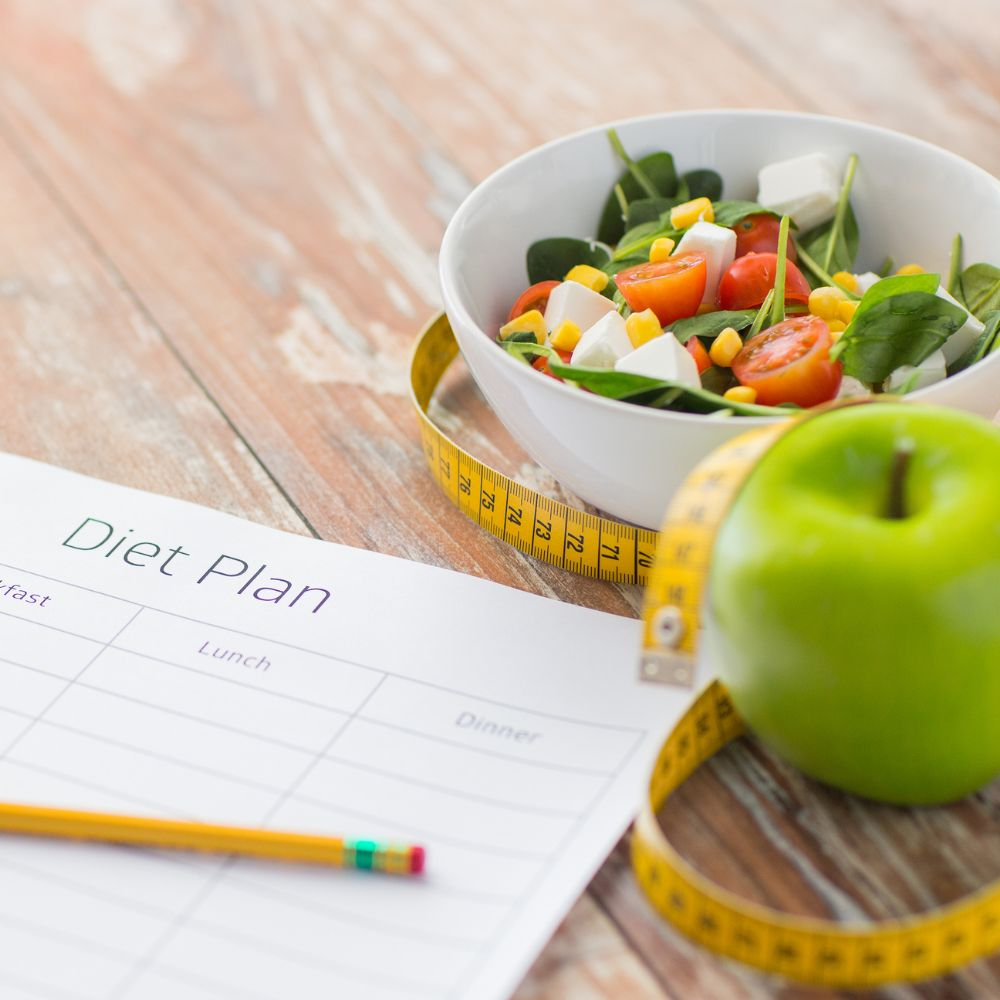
(73, 824)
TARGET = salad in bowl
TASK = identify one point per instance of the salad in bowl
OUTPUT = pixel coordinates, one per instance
(619, 421)
(693, 302)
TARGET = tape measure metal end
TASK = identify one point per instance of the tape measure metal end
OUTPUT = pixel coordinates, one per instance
(667, 667)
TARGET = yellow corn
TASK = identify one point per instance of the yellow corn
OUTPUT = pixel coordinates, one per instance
(835, 335)
(725, 347)
(592, 277)
(642, 327)
(846, 280)
(846, 310)
(530, 322)
(661, 249)
(565, 336)
(741, 394)
(836, 325)
(690, 212)
(825, 301)
(910, 269)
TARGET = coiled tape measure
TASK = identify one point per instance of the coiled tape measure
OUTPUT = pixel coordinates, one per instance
(674, 566)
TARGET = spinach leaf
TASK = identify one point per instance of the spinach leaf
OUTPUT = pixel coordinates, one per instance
(900, 321)
(641, 237)
(985, 342)
(816, 242)
(718, 380)
(728, 213)
(658, 393)
(980, 289)
(549, 260)
(647, 210)
(613, 266)
(703, 183)
(710, 325)
(659, 168)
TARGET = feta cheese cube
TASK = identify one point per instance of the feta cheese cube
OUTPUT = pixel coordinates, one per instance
(663, 358)
(965, 336)
(603, 343)
(577, 303)
(932, 369)
(804, 187)
(850, 386)
(866, 280)
(719, 246)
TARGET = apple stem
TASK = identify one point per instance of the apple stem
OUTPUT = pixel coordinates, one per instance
(901, 457)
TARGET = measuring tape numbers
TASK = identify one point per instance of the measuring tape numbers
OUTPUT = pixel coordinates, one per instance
(674, 567)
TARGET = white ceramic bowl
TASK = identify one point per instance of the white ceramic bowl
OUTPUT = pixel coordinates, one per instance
(911, 198)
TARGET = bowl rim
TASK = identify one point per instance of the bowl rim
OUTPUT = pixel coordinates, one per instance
(453, 302)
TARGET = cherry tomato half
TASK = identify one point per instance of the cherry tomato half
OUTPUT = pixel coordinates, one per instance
(790, 363)
(541, 363)
(750, 277)
(534, 297)
(672, 288)
(697, 351)
(759, 234)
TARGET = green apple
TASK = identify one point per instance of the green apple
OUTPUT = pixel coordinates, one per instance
(854, 601)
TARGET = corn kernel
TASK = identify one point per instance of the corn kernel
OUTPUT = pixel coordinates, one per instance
(836, 325)
(825, 301)
(565, 336)
(846, 310)
(661, 249)
(741, 394)
(642, 327)
(687, 214)
(530, 322)
(592, 277)
(910, 269)
(725, 347)
(835, 335)
(846, 280)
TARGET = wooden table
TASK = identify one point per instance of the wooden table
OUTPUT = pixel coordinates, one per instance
(218, 226)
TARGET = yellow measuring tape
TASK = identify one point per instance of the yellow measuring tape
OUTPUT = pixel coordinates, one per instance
(674, 566)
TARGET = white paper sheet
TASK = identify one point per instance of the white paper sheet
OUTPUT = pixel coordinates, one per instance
(194, 665)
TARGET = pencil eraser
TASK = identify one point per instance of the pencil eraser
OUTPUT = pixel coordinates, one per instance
(416, 860)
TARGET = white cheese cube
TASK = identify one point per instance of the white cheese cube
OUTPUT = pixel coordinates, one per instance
(805, 187)
(603, 343)
(866, 280)
(664, 358)
(932, 369)
(965, 336)
(719, 246)
(577, 303)
(850, 386)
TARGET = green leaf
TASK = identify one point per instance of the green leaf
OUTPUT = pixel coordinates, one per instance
(647, 210)
(657, 393)
(729, 213)
(985, 342)
(980, 289)
(900, 321)
(709, 325)
(641, 237)
(659, 168)
(718, 380)
(551, 259)
(702, 183)
(816, 243)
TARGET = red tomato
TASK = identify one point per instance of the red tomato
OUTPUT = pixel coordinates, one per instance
(672, 288)
(535, 297)
(749, 278)
(697, 351)
(790, 363)
(759, 234)
(541, 362)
